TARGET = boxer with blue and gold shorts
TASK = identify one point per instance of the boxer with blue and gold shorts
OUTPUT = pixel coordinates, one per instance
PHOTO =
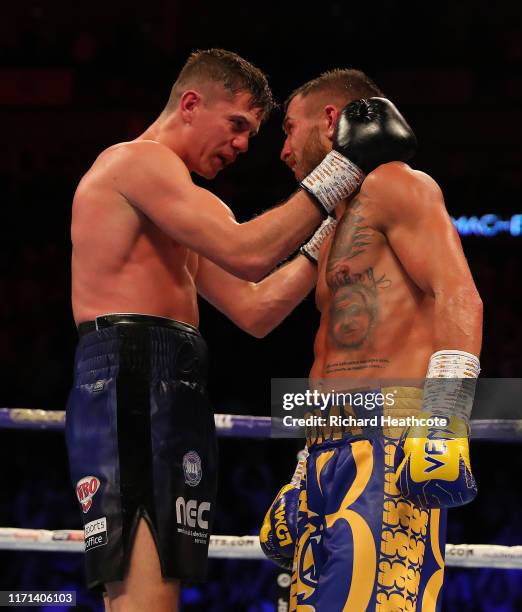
(360, 544)
(397, 301)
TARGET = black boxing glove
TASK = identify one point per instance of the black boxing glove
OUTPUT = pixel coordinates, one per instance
(368, 133)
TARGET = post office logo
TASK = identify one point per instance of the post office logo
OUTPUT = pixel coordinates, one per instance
(95, 533)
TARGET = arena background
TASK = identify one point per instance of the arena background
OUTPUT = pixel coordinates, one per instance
(77, 78)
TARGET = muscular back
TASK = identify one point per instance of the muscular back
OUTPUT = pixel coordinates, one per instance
(121, 261)
(375, 320)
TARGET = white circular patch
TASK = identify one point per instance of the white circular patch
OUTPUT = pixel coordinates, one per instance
(192, 468)
(284, 580)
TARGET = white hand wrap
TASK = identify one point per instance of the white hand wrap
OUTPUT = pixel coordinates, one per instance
(452, 395)
(311, 248)
(300, 468)
(333, 180)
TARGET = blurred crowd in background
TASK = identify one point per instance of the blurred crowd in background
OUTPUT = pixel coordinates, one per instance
(75, 80)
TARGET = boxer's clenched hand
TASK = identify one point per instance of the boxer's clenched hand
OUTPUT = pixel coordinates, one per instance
(432, 465)
(368, 133)
(279, 530)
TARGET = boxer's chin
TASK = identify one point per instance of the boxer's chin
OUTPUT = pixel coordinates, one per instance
(207, 172)
(304, 168)
(299, 175)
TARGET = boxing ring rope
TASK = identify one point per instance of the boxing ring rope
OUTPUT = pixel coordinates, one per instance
(243, 426)
(248, 547)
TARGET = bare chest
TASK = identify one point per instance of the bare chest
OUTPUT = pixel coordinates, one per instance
(354, 257)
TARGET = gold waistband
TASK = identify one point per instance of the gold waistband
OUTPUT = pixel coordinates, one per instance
(389, 419)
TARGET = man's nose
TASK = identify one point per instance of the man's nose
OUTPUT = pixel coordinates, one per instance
(240, 143)
(285, 151)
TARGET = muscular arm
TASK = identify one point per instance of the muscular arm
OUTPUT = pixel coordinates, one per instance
(422, 236)
(257, 308)
(153, 179)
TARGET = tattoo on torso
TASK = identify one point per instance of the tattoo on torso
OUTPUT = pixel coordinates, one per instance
(354, 306)
(351, 366)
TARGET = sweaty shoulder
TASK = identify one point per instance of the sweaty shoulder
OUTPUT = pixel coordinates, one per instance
(396, 188)
(145, 170)
(152, 177)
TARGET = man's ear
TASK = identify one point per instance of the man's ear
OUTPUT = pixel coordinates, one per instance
(188, 104)
(331, 115)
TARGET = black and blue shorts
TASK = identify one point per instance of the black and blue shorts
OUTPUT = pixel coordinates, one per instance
(141, 443)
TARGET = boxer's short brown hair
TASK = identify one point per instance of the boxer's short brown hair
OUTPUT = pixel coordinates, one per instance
(231, 70)
(341, 84)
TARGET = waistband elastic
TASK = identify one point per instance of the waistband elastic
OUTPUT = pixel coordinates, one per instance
(129, 318)
(142, 344)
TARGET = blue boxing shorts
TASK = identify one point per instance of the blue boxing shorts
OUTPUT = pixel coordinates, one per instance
(360, 544)
(141, 443)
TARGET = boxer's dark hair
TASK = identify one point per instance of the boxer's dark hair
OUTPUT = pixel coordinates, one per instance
(345, 84)
(227, 68)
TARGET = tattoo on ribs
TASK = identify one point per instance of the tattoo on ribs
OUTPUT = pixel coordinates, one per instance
(362, 364)
(354, 306)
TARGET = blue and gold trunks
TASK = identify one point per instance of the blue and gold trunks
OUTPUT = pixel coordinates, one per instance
(361, 545)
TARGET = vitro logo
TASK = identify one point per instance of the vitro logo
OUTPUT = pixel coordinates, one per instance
(190, 513)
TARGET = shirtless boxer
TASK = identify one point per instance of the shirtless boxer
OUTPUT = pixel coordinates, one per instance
(396, 296)
(140, 430)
